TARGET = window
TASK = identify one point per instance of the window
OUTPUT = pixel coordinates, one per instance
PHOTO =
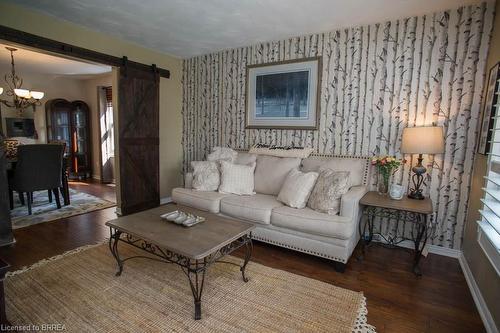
(489, 225)
(107, 128)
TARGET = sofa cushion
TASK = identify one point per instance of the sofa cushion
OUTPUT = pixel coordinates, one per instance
(356, 166)
(271, 172)
(312, 222)
(255, 208)
(245, 158)
(207, 201)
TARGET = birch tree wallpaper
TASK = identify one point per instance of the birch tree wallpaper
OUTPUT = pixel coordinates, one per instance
(376, 80)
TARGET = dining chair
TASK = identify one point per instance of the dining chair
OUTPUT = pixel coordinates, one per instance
(39, 167)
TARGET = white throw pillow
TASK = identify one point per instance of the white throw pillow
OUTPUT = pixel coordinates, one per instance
(297, 188)
(205, 176)
(237, 179)
(330, 187)
(222, 154)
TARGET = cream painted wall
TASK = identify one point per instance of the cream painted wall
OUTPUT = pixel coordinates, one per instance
(53, 86)
(170, 89)
(90, 88)
(484, 273)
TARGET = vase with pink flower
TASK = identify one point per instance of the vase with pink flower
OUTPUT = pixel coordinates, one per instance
(386, 167)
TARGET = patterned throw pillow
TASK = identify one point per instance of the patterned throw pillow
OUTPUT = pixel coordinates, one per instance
(330, 187)
(11, 148)
(205, 176)
(297, 188)
(236, 178)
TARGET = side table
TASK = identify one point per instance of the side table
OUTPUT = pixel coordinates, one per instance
(406, 210)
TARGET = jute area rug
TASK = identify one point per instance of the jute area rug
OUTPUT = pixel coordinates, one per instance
(79, 290)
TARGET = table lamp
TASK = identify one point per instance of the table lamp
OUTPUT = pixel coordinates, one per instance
(421, 140)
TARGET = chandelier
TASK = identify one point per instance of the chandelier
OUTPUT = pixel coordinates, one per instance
(21, 98)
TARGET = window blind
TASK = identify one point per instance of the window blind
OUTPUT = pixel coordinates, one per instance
(489, 224)
(109, 95)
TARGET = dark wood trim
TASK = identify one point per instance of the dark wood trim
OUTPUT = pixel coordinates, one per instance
(51, 45)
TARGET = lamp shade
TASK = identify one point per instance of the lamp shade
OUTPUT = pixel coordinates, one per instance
(23, 93)
(423, 140)
(37, 94)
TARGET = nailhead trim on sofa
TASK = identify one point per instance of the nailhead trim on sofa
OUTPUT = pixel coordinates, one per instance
(318, 254)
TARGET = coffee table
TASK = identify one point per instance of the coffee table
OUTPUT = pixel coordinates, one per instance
(193, 249)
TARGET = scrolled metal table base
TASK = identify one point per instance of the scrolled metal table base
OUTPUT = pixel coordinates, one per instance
(419, 231)
(194, 270)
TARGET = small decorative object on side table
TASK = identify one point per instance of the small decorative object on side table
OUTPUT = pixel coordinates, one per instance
(405, 210)
(421, 140)
(386, 166)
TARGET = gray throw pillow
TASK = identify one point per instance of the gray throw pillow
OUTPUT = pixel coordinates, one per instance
(329, 188)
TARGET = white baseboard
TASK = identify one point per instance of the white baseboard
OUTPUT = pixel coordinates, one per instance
(443, 251)
(165, 200)
(482, 308)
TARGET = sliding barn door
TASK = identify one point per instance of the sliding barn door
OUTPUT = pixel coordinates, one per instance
(138, 140)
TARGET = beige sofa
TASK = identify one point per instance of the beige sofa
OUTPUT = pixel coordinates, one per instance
(305, 230)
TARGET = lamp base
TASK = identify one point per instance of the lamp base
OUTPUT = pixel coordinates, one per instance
(416, 195)
(418, 180)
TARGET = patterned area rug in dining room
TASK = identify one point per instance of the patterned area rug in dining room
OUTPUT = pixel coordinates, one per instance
(80, 292)
(43, 211)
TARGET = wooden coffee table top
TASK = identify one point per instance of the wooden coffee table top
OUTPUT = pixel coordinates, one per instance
(196, 242)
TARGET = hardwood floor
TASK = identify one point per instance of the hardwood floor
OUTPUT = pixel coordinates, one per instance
(398, 301)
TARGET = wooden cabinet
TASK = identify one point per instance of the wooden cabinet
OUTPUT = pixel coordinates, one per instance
(69, 122)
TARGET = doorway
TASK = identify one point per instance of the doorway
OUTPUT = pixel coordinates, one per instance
(135, 118)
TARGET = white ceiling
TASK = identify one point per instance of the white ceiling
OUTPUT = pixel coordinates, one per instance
(186, 28)
(27, 61)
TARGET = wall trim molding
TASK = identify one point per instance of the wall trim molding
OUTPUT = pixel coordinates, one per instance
(481, 306)
(165, 200)
(435, 249)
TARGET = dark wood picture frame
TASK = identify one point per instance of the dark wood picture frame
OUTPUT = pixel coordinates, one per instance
(317, 109)
(489, 110)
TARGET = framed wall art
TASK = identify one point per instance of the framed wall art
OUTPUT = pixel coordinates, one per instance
(489, 111)
(284, 94)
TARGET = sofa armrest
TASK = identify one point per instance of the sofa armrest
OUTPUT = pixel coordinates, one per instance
(188, 180)
(349, 203)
